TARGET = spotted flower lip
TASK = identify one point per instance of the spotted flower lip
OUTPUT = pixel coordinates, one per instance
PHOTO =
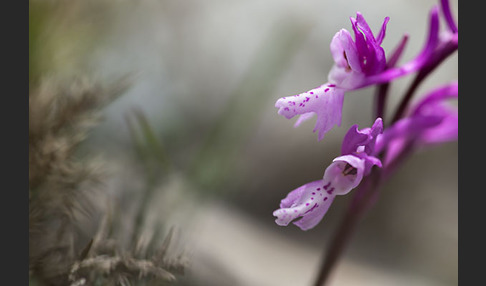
(325, 101)
(300, 203)
(311, 201)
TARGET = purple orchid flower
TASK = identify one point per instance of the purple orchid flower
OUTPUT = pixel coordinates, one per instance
(312, 200)
(361, 63)
(354, 61)
(430, 121)
(359, 59)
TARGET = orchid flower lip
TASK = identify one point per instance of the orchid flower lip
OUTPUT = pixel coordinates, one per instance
(325, 101)
(310, 202)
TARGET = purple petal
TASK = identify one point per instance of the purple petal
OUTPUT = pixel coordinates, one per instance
(303, 117)
(308, 201)
(381, 34)
(346, 72)
(375, 130)
(446, 131)
(366, 137)
(446, 10)
(418, 62)
(433, 105)
(361, 44)
(371, 161)
(346, 78)
(326, 101)
(363, 26)
(439, 94)
(408, 128)
(313, 218)
(433, 38)
(397, 53)
(372, 56)
(393, 149)
(343, 50)
(352, 140)
(439, 127)
(344, 174)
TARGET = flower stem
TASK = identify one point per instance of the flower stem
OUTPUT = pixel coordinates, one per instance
(380, 100)
(382, 90)
(339, 241)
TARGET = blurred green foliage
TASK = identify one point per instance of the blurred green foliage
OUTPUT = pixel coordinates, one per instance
(217, 158)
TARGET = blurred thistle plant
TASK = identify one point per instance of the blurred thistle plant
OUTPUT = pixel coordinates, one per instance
(61, 187)
(360, 63)
(68, 192)
(64, 195)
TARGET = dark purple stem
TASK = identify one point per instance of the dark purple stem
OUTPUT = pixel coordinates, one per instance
(338, 243)
(382, 91)
(354, 214)
(380, 100)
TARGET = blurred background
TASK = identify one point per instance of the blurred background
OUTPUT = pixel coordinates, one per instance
(194, 141)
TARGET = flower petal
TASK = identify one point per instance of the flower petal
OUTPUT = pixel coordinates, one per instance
(326, 101)
(304, 117)
(408, 128)
(397, 53)
(346, 72)
(446, 131)
(371, 161)
(353, 139)
(415, 64)
(308, 201)
(313, 218)
(446, 10)
(381, 34)
(344, 52)
(427, 104)
(371, 54)
(347, 79)
(366, 137)
(374, 131)
(341, 177)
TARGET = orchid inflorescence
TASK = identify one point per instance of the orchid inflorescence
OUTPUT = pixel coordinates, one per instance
(361, 63)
